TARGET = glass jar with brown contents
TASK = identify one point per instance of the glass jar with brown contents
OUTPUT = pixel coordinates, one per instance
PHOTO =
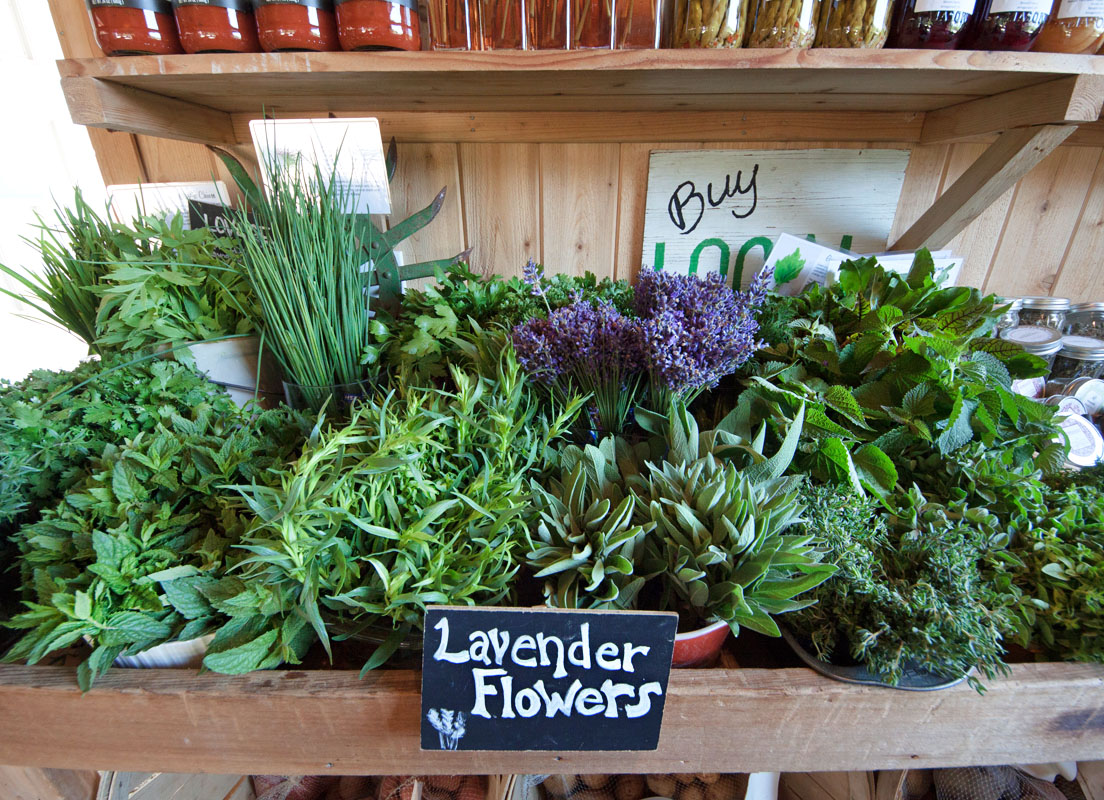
(134, 27)
(289, 25)
(1075, 26)
(1049, 312)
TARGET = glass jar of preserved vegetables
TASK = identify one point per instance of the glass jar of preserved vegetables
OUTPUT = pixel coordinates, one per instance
(930, 24)
(783, 23)
(1049, 312)
(134, 27)
(454, 25)
(1007, 24)
(646, 24)
(709, 23)
(1035, 339)
(296, 25)
(503, 24)
(854, 23)
(591, 24)
(1075, 26)
(1080, 357)
(217, 26)
(1085, 319)
(547, 22)
(378, 25)
(1011, 316)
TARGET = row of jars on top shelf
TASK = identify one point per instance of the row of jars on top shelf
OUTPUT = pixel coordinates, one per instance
(143, 27)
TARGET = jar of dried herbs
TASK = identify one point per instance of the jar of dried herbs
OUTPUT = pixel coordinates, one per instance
(854, 23)
(709, 23)
(1086, 319)
(783, 23)
(1080, 357)
(1035, 339)
(1050, 312)
(1011, 316)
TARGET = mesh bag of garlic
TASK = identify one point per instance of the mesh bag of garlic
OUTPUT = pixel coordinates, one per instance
(707, 786)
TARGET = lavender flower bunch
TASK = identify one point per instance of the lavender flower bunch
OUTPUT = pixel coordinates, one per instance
(696, 331)
(589, 348)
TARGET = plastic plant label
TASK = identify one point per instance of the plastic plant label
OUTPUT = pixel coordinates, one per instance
(349, 149)
(544, 679)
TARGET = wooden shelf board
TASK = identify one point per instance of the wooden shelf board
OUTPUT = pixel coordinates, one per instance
(298, 722)
(876, 80)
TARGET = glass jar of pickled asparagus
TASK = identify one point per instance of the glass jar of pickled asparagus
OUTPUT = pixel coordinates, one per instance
(454, 25)
(591, 25)
(642, 24)
(709, 23)
(853, 23)
(503, 24)
(547, 23)
(783, 23)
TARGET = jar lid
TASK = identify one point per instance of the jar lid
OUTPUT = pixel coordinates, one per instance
(1066, 404)
(1035, 339)
(1084, 308)
(1038, 303)
(1086, 444)
(1013, 304)
(1083, 348)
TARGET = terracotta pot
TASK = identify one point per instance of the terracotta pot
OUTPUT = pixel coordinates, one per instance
(702, 646)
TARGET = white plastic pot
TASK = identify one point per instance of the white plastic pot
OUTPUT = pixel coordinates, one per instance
(232, 364)
(170, 654)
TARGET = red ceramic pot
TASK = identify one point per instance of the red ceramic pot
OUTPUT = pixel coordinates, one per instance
(702, 646)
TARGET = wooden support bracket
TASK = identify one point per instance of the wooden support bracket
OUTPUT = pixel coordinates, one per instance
(1065, 101)
(998, 169)
(103, 104)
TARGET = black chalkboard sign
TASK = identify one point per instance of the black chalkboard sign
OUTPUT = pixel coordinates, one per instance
(542, 679)
(209, 215)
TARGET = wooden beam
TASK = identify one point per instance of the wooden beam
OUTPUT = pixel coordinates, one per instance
(717, 720)
(999, 168)
(1070, 100)
(102, 104)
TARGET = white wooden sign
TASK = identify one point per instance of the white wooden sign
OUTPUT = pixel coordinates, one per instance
(722, 210)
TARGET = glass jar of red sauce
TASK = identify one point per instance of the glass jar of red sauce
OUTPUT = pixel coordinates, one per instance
(378, 25)
(134, 27)
(217, 26)
(1007, 24)
(930, 24)
(296, 25)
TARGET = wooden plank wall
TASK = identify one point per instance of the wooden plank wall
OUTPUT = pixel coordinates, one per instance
(578, 206)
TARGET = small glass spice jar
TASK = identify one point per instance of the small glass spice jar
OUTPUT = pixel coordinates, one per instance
(644, 24)
(1085, 319)
(454, 25)
(930, 24)
(782, 23)
(547, 23)
(1007, 24)
(854, 23)
(378, 25)
(216, 26)
(1049, 312)
(591, 24)
(290, 25)
(723, 26)
(1080, 357)
(134, 27)
(1011, 316)
(1075, 26)
(1036, 340)
(503, 24)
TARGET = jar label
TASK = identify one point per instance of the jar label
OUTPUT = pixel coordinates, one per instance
(233, 5)
(160, 6)
(1020, 7)
(952, 6)
(323, 4)
(1081, 8)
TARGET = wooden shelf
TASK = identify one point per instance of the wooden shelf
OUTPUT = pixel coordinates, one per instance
(319, 722)
(195, 97)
